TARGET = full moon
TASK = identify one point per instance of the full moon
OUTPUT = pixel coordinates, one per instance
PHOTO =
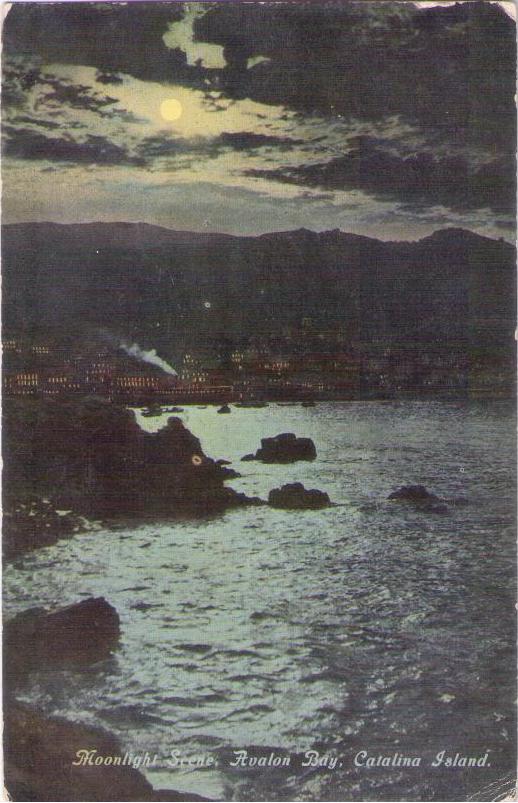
(171, 109)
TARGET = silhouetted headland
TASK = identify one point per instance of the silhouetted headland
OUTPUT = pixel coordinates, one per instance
(68, 459)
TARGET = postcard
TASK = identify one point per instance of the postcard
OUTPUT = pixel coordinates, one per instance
(259, 401)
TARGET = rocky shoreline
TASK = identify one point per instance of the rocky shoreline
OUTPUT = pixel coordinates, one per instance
(65, 464)
(40, 752)
(32, 523)
(39, 756)
(68, 463)
(72, 466)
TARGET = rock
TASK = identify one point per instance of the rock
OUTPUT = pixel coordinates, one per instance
(41, 762)
(420, 498)
(295, 497)
(230, 473)
(33, 522)
(413, 493)
(285, 448)
(93, 458)
(222, 462)
(78, 635)
(242, 500)
(224, 409)
(248, 457)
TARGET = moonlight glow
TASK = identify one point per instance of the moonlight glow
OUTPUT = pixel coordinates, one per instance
(171, 109)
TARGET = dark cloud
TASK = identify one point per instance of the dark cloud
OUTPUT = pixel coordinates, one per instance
(159, 146)
(419, 178)
(114, 37)
(51, 91)
(76, 96)
(50, 125)
(447, 72)
(247, 141)
(55, 96)
(450, 68)
(121, 114)
(108, 78)
(29, 144)
(13, 86)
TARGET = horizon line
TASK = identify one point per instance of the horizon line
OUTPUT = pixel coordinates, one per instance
(378, 238)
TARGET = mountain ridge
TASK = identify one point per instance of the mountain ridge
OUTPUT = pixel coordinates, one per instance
(176, 291)
(127, 226)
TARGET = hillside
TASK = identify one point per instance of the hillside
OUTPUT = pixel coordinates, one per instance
(172, 289)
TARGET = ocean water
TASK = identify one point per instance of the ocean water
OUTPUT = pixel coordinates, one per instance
(366, 629)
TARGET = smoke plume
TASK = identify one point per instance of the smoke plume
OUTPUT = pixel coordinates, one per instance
(148, 356)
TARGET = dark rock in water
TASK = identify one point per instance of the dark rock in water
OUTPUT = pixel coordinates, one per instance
(32, 522)
(295, 496)
(413, 493)
(242, 500)
(222, 462)
(224, 409)
(42, 761)
(248, 457)
(285, 448)
(420, 498)
(78, 635)
(93, 458)
(230, 473)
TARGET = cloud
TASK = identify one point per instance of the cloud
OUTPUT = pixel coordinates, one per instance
(51, 125)
(108, 78)
(247, 141)
(243, 141)
(76, 96)
(163, 145)
(28, 144)
(37, 89)
(374, 113)
(369, 60)
(112, 37)
(366, 60)
(419, 178)
(341, 60)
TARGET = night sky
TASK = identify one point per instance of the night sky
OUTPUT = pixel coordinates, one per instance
(386, 119)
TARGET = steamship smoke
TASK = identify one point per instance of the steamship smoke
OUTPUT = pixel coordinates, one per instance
(150, 357)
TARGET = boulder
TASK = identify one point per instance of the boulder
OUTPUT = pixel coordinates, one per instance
(78, 635)
(295, 497)
(230, 473)
(242, 500)
(285, 448)
(224, 409)
(91, 457)
(42, 761)
(420, 498)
